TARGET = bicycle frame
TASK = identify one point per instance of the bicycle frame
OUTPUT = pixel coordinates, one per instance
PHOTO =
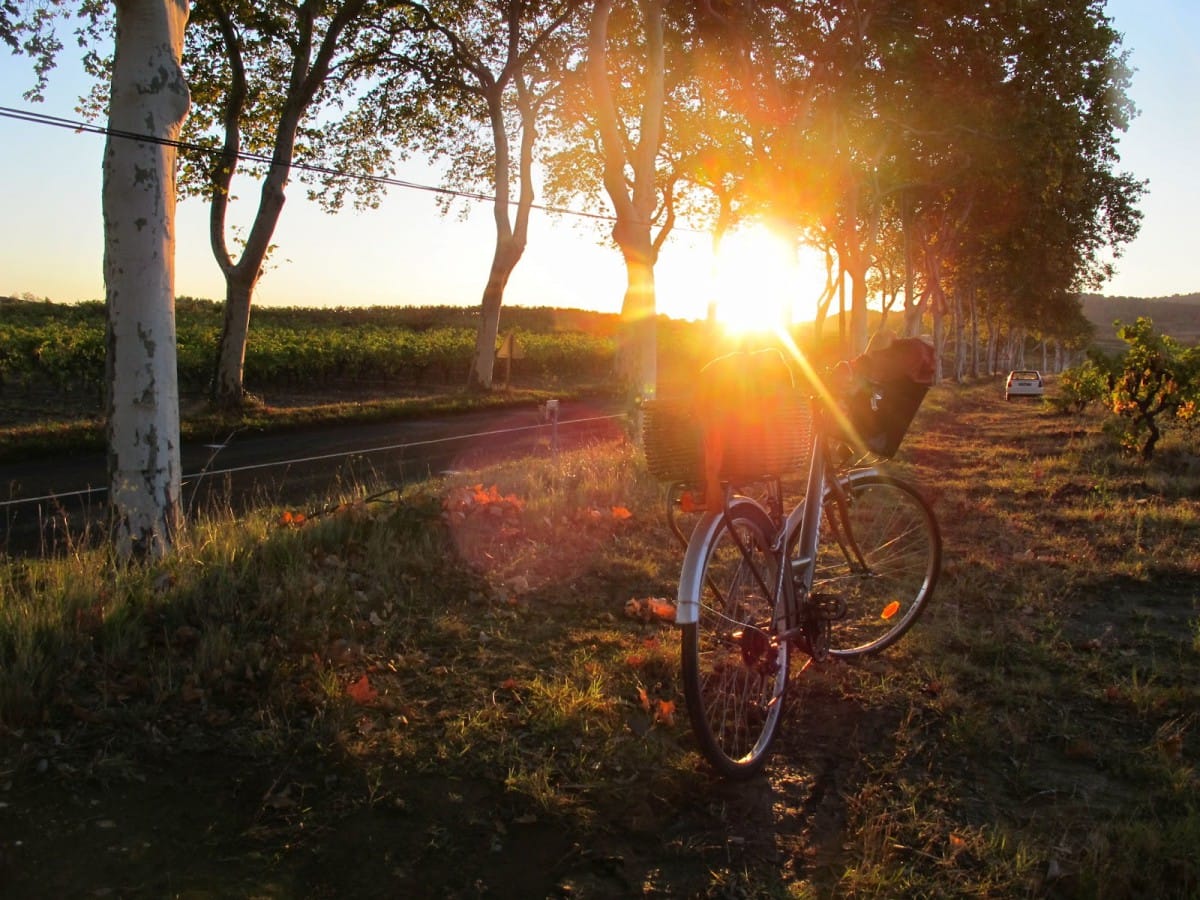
(805, 516)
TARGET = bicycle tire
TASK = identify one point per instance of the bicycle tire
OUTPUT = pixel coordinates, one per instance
(897, 535)
(734, 671)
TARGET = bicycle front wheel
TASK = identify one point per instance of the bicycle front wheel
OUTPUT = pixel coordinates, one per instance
(734, 668)
(877, 563)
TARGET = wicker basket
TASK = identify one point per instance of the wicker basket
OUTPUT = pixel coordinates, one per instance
(757, 443)
(674, 441)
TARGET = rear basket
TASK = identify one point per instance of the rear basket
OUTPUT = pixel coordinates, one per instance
(761, 443)
(881, 412)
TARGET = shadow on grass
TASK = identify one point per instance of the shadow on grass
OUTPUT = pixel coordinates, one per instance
(361, 704)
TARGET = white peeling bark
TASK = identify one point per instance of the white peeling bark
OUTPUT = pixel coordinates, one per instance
(149, 97)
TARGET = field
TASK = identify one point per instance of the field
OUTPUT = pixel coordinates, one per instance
(307, 365)
(55, 352)
(446, 692)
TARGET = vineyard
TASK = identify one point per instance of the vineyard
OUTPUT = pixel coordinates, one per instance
(56, 351)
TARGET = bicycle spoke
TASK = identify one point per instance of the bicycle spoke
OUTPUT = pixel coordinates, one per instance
(886, 527)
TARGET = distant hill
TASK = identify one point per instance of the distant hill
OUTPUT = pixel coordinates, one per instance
(1177, 315)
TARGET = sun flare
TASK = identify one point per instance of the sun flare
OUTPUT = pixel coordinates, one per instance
(763, 282)
(755, 281)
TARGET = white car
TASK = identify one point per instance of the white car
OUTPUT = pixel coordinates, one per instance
(1024, 383)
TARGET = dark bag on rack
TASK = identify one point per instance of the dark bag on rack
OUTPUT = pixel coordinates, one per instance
(890, 380)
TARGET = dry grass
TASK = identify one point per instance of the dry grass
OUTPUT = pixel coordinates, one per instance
(441, 693)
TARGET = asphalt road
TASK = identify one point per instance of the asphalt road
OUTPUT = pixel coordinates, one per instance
(48, 504)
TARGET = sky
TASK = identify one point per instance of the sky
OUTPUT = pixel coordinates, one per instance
(407, 253)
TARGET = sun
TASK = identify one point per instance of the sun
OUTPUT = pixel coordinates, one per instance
(759, 283)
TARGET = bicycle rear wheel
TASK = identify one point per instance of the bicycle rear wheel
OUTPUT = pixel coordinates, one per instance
(734, 669)
(877, 563)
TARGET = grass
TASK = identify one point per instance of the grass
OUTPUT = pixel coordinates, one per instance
(443, 693)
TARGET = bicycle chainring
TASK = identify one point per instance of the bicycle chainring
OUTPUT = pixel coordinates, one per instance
(757, 650)
(820, 611)
(816, 636)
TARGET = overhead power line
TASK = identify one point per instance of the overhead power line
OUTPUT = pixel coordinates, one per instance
(36, 118)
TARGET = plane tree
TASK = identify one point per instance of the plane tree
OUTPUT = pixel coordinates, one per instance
(269, 81)
(1053, 209)
(462, 82)
(149, 97)
(628, 92)
(149, 93)
(918, 124)
(636, 136)
(804, 80)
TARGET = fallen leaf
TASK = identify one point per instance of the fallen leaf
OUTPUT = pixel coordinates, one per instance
(189, 693)
(1171, 746)
(620, 512)
(361, 692)
(665, 712)
(664, 610)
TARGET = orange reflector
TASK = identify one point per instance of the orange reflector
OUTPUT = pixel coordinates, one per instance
(890, 610)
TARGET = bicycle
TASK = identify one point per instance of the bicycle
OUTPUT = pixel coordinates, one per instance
(843, 577)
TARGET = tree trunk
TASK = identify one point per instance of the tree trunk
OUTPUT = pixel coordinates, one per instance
(149, 95)
(939, 340)
(960, 356)
(637, 347)
(825, 299)
(510, 239)
(229, 386)
(973, 304)
(858, 251)
(856, 265)
(504, 260)
(914, 306)
(843, 348)
(636, 362)
(858, 311)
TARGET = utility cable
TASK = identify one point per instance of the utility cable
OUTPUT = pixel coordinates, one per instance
(36, 118)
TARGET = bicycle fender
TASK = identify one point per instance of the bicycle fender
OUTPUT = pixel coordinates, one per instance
(687, 605)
